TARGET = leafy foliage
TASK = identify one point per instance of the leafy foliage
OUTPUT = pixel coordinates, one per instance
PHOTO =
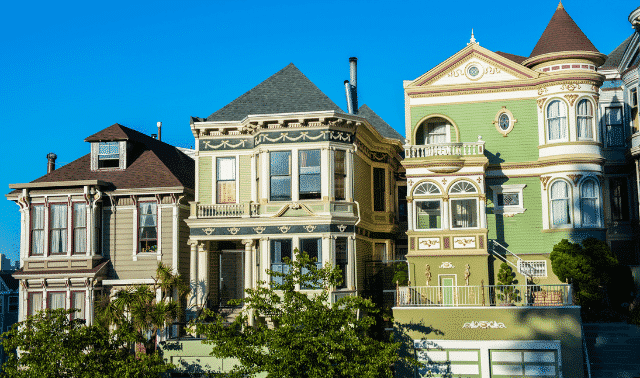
(300, 334)
(137, 310)
(49, 344)
(599, 281)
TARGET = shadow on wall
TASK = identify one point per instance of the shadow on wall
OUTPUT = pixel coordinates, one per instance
(404, 367)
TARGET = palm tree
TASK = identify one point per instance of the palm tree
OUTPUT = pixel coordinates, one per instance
(137, 309)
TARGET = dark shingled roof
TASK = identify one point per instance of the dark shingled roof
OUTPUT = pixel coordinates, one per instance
(383, 128)
(514, 58)
(562, 34)
(11, 282)
(286, 91)
(613, 60)
(151, 163)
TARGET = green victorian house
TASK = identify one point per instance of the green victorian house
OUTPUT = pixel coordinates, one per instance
(505, 157)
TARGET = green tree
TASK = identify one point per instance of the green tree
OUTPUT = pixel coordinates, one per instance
(506, 278)
(50, 344)
(599, 281)
(137, 309)
(300, 334)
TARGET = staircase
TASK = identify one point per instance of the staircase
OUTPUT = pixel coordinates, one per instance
(614, 349)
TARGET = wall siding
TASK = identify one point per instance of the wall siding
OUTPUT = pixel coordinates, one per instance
(205, 172)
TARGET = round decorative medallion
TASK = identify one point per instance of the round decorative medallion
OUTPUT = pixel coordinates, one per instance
(473, 71)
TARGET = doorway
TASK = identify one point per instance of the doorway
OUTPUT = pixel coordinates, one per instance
(231, 285)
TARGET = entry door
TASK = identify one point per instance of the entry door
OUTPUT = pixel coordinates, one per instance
(231, 276)
(447, 286)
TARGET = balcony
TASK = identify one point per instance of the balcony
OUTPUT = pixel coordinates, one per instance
(484, 295)
(444, 149)
(231, 210)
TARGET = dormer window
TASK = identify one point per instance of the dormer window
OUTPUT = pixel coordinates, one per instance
(108, 155)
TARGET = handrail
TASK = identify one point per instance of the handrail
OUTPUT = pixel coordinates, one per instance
(484, 295)
(230, 210)
(444, 149)
(520, 260)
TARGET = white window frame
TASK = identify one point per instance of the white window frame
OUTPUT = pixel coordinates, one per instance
(539, 267)
(506, 189)
(461, 196)
(598, 202)
(235, 179)
(563, 130)
(570, 204)
(588, 117)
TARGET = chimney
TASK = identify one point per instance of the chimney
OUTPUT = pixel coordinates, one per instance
(351, 86)
(51, 162)
(159, 130)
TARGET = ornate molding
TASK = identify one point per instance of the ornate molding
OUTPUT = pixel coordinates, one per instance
(484, 324)
(540, 102)
(569, 86)
(545, 180)
(571, 98)
(575, 178)
(446, 265)
(233, 230)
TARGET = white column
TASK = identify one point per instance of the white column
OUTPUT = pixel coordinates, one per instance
(174, 226)
(254, 190)
(203, 274)
(350, 175)
(328, 254)
(445, 214)
(248, 270)
(159, 229)
(410, 205)
(193, 273)
(351, 258)
(24, 234)
(325, 171)
(483, 211)
(22, 303)
(264, 174)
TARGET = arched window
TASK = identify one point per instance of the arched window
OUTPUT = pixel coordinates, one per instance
(434, 131)
(556, 120)
(464, 211)
(462, 187)
(589, 203)
(428, 211)
(426, 188)
(584, 114)
(560, 204)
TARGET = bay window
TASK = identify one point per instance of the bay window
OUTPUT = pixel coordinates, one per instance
(341, 260)
(79, 228)
(560, 204)
(584, 112)
(280, 248)
(280, 175)
(313, 248)
(58, 228)
(147, 227)
(428, 215)
(56, 300)
(37, 230)
(614, 128)
(589, 203)
(309, 174)
(340, 174)
(226, 180)
(34, 303)
(464, 211)
(556, 121)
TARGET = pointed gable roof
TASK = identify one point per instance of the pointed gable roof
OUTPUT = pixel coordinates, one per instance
(379, 124)
(614, 59)
(562, 34)
(286, 91)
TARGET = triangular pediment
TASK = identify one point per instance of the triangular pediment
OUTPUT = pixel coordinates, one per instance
(473, 65)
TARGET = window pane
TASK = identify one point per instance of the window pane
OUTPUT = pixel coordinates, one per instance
(464, 213)
(340, 175)
(428, 214)
(313, 247)
(58, 219)
(35, 303)
(79, 228)
(379, 189)
(37, 230)
(77, 302)
(280, 188)
(309, 170)
(280, 162)
(615, 131)
(585, 119)
(148, 234)
(279, 250)
(56, 300)
(556, 120)
(437, 133)
(619, 199)
(226, 192)
(560, 204)
(508, 199)
(342, 260)
(226, 168)
(280, 175)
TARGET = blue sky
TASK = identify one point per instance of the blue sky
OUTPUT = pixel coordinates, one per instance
(69, 69)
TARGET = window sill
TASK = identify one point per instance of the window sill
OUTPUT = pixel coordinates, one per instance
(509, 211)
(147, 254)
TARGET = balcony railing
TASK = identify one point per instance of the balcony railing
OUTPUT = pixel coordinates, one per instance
(488, 295)
(232, 210)
(444, 149)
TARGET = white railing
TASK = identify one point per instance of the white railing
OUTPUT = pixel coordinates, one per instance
(232, 210)
(484, 295)
(444, 149)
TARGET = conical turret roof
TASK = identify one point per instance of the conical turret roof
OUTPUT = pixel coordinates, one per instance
(562, 34)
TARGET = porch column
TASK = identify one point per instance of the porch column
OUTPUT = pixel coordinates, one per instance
(248, 269)
(203, 274)
(483, 211)
(410, 225)
(193, 274)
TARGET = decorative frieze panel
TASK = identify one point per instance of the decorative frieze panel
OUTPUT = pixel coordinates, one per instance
(428, 243)
(460, 242)
(265, 230)
(276, 137)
